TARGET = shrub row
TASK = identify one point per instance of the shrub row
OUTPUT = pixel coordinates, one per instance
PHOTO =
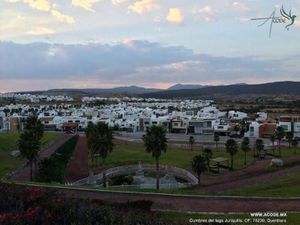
(52, 169)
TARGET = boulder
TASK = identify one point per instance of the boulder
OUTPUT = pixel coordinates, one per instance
(277, 162)
(15, 153)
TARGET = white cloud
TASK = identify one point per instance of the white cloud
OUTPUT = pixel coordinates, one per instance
(40, 31)
(119, 2)
(143, 6)
(207, 13)
(85, 4)
(175, 15)
(62, 17)
(240, 7)
(43, 5)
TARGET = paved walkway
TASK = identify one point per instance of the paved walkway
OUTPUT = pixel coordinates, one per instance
(23, 173)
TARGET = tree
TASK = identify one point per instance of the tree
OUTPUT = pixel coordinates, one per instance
(199, 166)
(6, 111)
(295, 145)
(207, 154)
(155, 142)
(232, 149)
(279, 134)
(216, 139)
(100, 141)
(30, 141)
(289, 137)
(245, 146)
(273, 139)
(191, 141)
(29, 148)
(259, 145)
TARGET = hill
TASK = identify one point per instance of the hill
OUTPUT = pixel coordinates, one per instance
(185, 86)
(117, 90)
(276, 88)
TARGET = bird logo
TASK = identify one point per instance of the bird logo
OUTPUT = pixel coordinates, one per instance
(289, 17)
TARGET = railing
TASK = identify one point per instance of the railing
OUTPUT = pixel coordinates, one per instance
(132, 169)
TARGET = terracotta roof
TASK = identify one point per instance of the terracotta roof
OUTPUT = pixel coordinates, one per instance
(70, 125)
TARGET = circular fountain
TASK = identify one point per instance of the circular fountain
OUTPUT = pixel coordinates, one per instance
(142, 177)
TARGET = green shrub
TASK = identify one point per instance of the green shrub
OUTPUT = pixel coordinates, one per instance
(52, 169)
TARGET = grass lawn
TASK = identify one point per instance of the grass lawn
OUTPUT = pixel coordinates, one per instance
(288, 186)
(187, 218)
(127, 154)
(9, 142)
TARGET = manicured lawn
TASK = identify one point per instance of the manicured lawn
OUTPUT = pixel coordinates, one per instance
(288, 186)
(9, 142)
(128, 154)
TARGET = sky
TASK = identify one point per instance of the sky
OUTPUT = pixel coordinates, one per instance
(48, 44)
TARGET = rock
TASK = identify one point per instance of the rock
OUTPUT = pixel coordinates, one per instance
(15, 153)
(277, 162)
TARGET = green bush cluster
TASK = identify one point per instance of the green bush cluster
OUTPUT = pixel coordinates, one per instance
(52, 169)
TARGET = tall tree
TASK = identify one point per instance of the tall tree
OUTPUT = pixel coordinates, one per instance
(232, 149)
(216, 139)
(245, 146)
(191, 142)
(279, 134)
(260, 147)
(295, 145)
(155, 142)
(207, 154)
(289, 136)
(30, 141)
(29, 148)
(199, 166)
(100, 140)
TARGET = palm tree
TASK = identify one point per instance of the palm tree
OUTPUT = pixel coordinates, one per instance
(232, 149)
(100, 143)
(29, 148)
(155, 142)
(35, 125)
(273, 139)
(216, 139)
(191, 141)
(100, 140)
(259, 145)
(34, 129)
(207, 154)
(289, 137)
(198, 166)
(245, 146)
(279, 134)
(295, 145)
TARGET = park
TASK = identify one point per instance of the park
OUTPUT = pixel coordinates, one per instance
(238, 176)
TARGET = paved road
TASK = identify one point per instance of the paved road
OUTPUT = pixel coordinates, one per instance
(184, 138)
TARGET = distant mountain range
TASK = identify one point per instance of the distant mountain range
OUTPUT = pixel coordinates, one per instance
(116, 90)
(189, 90)
(276, 88)
(185, 86)
(126, 89)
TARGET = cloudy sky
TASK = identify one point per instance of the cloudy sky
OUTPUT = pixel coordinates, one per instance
(152, 43)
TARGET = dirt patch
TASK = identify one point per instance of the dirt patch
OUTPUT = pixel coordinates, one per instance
(78, 167)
